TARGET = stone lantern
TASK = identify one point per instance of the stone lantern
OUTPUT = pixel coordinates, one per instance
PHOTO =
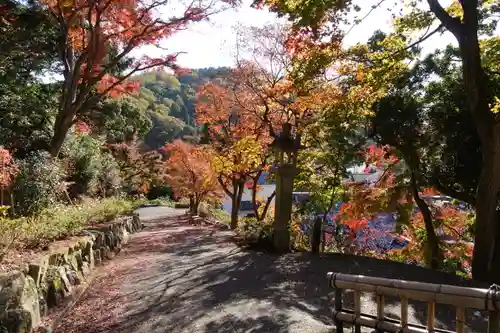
(286, 147)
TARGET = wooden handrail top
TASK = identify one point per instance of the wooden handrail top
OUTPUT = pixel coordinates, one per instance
(466, 297)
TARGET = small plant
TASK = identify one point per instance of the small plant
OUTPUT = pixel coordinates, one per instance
(213, 212)
(9, 231)
(8, 171)
(255, 234)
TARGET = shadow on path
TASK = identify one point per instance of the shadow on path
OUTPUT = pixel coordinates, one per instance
(174, 277)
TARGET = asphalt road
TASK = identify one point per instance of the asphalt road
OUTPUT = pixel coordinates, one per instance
(156, 212)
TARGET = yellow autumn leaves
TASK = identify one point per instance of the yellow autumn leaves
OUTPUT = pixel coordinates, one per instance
(243, 156)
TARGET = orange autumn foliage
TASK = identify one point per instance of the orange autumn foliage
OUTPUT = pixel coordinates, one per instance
(8, 168)
(450, 221)
(240, 140)
(228, 117)
(190, 172)
(95, 27)
(97, 45)
(271, 91)
(276, 100)
(389, 192)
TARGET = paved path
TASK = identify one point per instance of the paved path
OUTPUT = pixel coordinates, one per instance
(173, 277)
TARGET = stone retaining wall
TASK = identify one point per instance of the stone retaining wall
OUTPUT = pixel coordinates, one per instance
(28, 294)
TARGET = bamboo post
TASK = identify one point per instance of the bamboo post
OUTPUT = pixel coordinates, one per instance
(494, 322)
(404, 312)
(460, 319)
(338, 309)
(431, 312)
(357, 311)
(380, 312)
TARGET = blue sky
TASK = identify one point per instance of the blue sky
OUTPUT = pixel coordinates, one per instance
(211, 43)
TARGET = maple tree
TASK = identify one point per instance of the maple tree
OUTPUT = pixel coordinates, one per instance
(96, 43)
(279, 105)
(8, 170)
(453, 225)
(190, 173)
(238, 138)
(289, 105)
(321, 25)
(138, 170)
(433, 131)
(425, 226)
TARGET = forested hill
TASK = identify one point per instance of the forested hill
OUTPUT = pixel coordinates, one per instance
(163, 110)
(169, 102)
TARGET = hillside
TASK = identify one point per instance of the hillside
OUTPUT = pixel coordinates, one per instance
(169, 103)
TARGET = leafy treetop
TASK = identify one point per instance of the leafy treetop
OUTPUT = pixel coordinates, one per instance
(190, 172)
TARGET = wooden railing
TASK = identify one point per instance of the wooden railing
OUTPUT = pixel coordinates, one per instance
(461, 298)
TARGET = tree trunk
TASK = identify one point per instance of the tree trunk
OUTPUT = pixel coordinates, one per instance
(192, 209)
(478, 98)
(196, 205)
(316, 238)
(238, 189)
(262, 215)
(486, 228)
(63, 123)
(434, 257)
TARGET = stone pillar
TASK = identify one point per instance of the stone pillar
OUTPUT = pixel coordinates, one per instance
(283, 207)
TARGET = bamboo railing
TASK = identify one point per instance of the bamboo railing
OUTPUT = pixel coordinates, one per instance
(461, 298)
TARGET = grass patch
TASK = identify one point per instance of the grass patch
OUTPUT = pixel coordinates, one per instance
(60, 222)
(208, 210)
(162, 201)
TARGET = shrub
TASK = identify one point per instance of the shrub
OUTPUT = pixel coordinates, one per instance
(159, 191)
(10, 230)
(109, 179)
(37, 184)
(301, 237)
(8, 171)
(214, 213)
(84, 164)
(255, 234)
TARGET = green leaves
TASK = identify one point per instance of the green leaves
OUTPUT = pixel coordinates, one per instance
(417, 19)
